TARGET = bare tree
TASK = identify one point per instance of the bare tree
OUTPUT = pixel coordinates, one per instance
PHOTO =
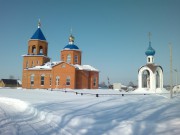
(11, 77)
(131, 84)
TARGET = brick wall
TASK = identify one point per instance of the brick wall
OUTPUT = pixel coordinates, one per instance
(82, 79)
(38, 44)
(64, 54)
(64, 70)
(85, 79)
(26, 79)
(31, 61)
(94, 75)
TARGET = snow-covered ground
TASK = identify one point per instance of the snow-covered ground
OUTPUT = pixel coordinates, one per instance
(44, 112)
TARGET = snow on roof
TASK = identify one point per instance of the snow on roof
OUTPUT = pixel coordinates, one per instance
(49, 65)
(46, 66)
(85, 67)
(35, 55)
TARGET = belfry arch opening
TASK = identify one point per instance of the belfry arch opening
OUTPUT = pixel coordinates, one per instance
(33, 49)
(40, 50)
(146, 79)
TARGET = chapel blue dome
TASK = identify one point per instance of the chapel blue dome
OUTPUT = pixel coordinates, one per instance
(38, 35)
(150, 51)
(71, 47)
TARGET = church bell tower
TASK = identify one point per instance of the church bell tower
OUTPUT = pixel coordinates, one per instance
(36, 55)
(37, 50)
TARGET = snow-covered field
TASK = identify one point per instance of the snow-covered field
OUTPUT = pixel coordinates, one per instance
(44, 112)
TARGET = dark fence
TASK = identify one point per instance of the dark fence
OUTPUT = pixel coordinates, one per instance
(99, 94)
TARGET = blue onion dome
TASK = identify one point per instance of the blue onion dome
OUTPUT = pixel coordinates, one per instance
(71, 45)
(150, 51)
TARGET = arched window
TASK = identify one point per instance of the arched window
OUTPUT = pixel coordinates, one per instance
(32, 79)
(50, 80)
(75, 59)
(94, 81)
(42, 79)
(68, 58)
(26, 64)
(63, 65)
(41, 50)
(32, 63)
(68, 80)
(57, 80)
(34, 49)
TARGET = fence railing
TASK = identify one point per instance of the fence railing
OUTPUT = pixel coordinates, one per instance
(107, 94)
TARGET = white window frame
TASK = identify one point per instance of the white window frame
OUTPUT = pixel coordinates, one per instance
(32, 80)
(42, 80)
(76, 59)
(57, 80)
(50, 80)
(94, 81)
(68, 60)
(68, 81)
(32, 63)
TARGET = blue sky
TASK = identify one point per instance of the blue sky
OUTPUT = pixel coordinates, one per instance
(112, 34)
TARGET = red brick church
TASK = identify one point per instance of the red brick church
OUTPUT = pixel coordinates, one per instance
(39, 72)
